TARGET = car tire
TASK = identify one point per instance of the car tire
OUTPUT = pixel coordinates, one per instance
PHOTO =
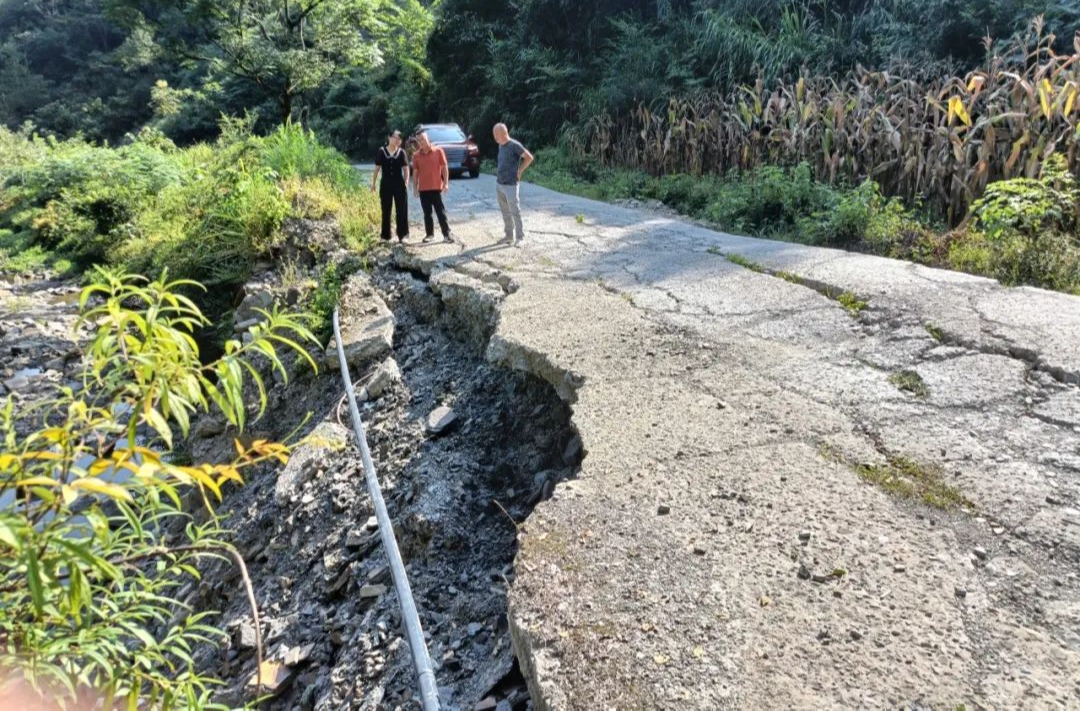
(474, 174)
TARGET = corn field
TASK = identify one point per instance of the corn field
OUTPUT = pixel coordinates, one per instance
(939, 143)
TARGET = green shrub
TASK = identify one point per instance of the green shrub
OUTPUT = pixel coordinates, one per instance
(20, 255)
(1025, 231)
(324, 299)
(1029, 207)
(865, 220)
(1050, 260)
(214, 225)
(769, 201)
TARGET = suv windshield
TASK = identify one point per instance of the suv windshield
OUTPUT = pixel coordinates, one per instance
(445, 134)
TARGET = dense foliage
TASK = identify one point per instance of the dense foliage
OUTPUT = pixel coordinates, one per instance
(96, 542)
(207, 212)
(62, 68)
(356, 68)
(103, 68)
(540, 63)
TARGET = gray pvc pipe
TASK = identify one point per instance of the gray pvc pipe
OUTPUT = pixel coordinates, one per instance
(429, 693)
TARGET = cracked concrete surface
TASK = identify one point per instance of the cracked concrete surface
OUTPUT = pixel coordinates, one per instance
(719, 549)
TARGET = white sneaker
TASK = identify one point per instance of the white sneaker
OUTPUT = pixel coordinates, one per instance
(505, 240)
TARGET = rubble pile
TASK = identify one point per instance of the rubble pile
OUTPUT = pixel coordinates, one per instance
(463, 450)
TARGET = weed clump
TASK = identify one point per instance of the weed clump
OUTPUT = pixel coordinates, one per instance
(910, 382)
(852, 303)
(908, 479)
(745, 263)
(904, 478)
(1025, 231)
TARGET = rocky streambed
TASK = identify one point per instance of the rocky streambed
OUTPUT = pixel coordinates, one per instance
(40, 347)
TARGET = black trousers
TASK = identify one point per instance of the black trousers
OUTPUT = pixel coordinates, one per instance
(394, 195)
(432, 199)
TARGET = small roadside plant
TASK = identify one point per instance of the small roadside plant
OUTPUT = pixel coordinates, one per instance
(98, 538)
(325, 297)
(852, 303)
(745, 263)
(908, 479)
(910, 382)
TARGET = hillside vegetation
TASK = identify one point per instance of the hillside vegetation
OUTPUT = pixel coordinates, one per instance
(206, 212)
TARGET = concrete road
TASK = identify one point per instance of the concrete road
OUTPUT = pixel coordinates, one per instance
(784, 503)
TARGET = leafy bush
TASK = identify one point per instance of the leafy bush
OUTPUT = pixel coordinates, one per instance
(769, 201)
(1030, 206)
(863, 219)
(292, 151)
(19, 254)
(96, 545)
(1050, 260)
(1025, 231)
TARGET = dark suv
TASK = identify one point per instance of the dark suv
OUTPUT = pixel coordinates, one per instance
(462, 153)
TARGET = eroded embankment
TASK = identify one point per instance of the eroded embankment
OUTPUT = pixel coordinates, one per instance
(456, 485)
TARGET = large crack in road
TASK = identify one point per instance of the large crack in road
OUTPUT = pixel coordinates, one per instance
(725, 544)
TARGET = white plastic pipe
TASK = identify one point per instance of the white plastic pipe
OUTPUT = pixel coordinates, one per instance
(429, 693)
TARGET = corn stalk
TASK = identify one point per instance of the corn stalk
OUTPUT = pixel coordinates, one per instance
(939, 143)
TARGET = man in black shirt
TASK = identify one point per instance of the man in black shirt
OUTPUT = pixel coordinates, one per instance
(393, 163)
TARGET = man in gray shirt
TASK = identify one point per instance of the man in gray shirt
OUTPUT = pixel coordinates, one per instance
(513, 160)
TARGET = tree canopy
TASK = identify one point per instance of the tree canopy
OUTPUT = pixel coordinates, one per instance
(354, 69)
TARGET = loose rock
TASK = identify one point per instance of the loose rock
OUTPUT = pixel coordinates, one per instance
(441, 420)
(370, 591)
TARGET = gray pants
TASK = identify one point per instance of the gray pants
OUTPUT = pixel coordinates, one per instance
(510, 204)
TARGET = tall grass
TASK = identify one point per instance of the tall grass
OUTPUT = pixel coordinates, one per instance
(292, 151)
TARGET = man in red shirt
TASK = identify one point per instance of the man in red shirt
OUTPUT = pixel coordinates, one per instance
(432, 180)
